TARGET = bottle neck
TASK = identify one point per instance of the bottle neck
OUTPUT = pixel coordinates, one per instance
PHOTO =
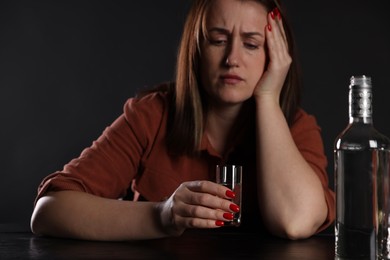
(360, 105)
(361, 120)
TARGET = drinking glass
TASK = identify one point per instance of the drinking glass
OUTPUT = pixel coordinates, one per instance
(230, 176)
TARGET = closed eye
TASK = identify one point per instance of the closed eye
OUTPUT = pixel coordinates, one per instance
(218, 36)
(251, 46)
(218, 42)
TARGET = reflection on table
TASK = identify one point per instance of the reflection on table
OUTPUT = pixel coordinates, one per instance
(206, 244)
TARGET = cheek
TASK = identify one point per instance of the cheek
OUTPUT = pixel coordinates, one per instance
(262, 63)
(256, 70)
(204, 70)
(209, 65)
(210, 59)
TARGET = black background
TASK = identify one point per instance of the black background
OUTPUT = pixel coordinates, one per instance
(67, 67)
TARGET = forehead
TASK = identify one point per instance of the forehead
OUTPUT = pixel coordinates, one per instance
(230, 14)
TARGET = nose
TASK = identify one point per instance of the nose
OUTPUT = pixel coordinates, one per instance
(232, 55)
(231, 62)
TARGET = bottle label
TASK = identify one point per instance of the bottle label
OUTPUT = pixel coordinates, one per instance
(361, 102)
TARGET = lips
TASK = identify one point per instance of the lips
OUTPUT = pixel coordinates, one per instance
(231, 79)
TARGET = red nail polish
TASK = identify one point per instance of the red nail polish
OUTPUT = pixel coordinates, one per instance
(234, 207)
(228, 216)
(277, 13)
(230, 194)
(272, 15)
(269, 27)
(219, 223)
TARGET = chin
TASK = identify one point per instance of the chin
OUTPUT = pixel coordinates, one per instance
(236, 100)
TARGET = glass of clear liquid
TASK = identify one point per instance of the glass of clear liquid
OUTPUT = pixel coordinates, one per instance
(230, 176)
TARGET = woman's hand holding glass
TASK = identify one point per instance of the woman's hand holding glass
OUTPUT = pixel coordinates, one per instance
(197, 204)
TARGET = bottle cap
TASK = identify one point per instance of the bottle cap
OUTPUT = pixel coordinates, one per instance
(360, 81)
(360, 97)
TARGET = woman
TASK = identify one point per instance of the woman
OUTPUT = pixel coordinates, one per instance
(235, 101)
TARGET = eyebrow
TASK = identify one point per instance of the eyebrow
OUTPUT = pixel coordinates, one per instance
(227, 32)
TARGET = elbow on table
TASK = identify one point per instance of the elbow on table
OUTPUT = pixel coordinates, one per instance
(299, 232)
(35, 227)
(298, 224)
(295, 230)
(37, 222)
(42, 215)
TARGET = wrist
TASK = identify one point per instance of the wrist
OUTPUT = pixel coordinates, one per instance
(267, 100)
(165, 219)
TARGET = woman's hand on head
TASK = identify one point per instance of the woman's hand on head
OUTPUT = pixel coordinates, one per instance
(272, 80)
(196, 204)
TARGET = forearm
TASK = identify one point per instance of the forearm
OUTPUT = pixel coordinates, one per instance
(83, 216)
(290, 193)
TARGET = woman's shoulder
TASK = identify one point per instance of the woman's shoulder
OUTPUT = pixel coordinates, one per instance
(153, 102)
(147, 114)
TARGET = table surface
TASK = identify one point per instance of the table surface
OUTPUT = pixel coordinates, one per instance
(206, 244)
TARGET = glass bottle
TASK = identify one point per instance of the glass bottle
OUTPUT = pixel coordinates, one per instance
(361, 157)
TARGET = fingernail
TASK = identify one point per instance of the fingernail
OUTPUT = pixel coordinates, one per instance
(219, 223)
(272, 15)
(230, 194)
(228, 216)
(269, 27)
(234, 207)
(277, 13)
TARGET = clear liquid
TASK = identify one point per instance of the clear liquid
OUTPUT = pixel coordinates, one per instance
(362, 180)
(236, 221)
(358, 181)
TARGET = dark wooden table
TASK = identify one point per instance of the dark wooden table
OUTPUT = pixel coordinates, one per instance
(199, 244)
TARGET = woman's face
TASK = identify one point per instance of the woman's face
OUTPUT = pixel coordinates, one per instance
(233, 55)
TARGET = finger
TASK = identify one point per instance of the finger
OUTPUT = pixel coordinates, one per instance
(202, 199)
(279, 55)
(196, 211)
(279, 22)
(210, 188)
(275, 39)
(200, 223)
(275, 20)
(203, 218)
